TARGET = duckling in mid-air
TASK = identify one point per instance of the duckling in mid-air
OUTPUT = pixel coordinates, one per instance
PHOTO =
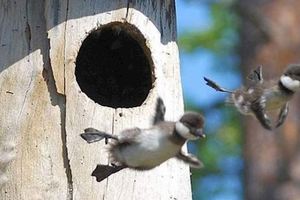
(261, 96)
(144, 149)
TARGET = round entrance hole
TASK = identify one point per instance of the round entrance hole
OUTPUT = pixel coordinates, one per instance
(114, 66)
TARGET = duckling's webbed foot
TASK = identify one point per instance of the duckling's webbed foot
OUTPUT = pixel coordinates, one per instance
(93, 135)
(101, 172)
(190, 159)
(215, 86)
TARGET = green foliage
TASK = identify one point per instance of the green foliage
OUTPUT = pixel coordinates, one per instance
(220, 37)
(224, 141)
(221, 142)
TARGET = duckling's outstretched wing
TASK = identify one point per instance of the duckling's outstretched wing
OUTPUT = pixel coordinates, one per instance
(256, 76)
(160, 111)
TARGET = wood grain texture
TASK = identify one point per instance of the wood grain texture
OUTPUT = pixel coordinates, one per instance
(31, 114)
(46, 110)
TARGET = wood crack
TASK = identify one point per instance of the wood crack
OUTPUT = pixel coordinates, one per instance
(64, 132)
(28, 30)
(58, 99)
(28, 39)
(25, 97)
(127, 9)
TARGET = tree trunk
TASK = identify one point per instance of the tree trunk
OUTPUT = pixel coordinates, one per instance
(270, 37)
(49, 95)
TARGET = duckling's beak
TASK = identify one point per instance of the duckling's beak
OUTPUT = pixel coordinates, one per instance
(199, 132)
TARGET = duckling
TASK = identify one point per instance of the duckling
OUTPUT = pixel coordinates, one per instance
(261, 96)
(145, 149)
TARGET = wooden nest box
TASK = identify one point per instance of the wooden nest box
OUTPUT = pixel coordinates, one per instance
(69, 65)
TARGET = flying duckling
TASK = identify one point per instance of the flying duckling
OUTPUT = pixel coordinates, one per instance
(260, 96)
(145, 149)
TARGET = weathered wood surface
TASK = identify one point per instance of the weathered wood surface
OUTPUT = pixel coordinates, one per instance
(31, 109)
(43, 110)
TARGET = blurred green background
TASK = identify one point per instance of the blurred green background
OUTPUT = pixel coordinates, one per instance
(208, 38)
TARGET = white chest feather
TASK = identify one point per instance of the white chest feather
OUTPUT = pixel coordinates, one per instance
(152, 148)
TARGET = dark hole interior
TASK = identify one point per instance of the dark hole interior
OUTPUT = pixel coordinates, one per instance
(114, 67)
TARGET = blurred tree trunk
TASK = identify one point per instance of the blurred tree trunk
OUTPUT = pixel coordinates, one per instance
(270, 36)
